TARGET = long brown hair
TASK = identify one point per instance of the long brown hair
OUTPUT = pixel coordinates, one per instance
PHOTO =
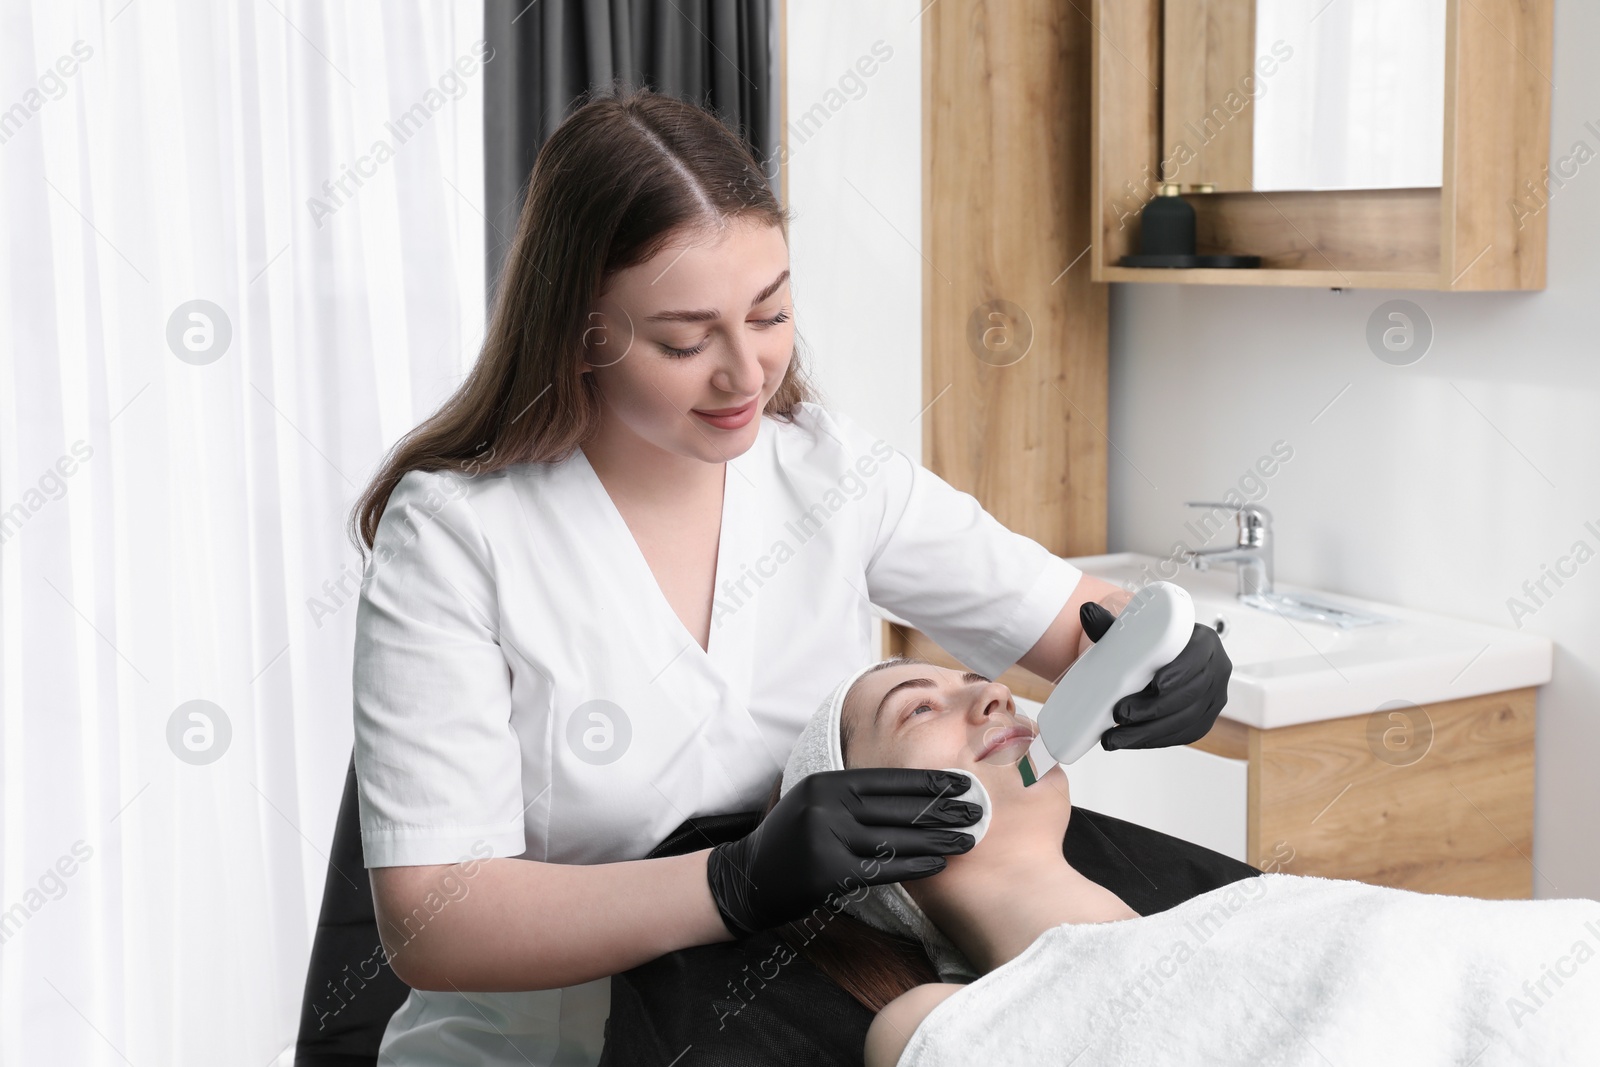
(614, 181)
(869, 964)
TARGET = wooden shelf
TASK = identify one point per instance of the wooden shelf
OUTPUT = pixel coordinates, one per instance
(1468, 234)
(1332, 279)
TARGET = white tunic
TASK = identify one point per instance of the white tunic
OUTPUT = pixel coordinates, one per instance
(523, 687)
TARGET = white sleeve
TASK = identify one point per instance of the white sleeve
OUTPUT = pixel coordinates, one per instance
(938, 560)
(438, 765)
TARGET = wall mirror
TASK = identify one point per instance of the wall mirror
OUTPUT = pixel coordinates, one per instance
(1279, 95)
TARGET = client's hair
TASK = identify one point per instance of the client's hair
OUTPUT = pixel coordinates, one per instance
(869, 964)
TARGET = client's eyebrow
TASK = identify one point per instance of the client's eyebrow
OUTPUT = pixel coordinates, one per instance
(918, 683)
(707, 314)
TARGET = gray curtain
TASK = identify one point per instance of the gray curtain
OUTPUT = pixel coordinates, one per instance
(715, 53)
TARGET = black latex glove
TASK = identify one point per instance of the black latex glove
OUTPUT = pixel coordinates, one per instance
(837, 832)
(1181, 701)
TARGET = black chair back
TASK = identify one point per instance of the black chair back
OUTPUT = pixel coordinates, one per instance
(350, 991)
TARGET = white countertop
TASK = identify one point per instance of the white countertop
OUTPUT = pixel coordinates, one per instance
(1289, 671)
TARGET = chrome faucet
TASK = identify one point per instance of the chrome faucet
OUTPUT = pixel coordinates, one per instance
(1253, 553)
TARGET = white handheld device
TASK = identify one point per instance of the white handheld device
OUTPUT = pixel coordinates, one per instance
(1151, 631)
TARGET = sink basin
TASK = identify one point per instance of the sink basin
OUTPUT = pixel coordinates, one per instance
(1307, 609)
(1289, 667)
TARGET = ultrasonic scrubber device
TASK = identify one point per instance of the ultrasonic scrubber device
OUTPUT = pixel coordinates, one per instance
(1150, 633)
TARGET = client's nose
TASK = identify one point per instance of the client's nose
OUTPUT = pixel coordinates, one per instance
(991, 699)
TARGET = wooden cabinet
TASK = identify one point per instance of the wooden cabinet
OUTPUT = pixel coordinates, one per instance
(1453, 815)
(1483, 228)
(1013, 330)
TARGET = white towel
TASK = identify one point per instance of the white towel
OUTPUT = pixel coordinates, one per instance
(1287, 969)
(887, 907)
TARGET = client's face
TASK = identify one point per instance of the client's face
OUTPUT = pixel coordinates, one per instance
(921, 715)
(918, 715)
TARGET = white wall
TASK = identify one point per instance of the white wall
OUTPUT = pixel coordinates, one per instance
(1442, 485)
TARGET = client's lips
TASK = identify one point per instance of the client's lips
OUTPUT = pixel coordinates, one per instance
(1002, 739)
(725, 411)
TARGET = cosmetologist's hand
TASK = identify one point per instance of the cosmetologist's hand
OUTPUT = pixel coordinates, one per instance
(1182, 700)
(838, 832)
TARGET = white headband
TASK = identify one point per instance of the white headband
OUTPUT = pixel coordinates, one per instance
(886, 907)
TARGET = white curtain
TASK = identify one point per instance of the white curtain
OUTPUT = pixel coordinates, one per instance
(241, 252)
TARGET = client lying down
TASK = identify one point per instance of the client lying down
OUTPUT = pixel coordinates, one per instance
(1276, 968)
